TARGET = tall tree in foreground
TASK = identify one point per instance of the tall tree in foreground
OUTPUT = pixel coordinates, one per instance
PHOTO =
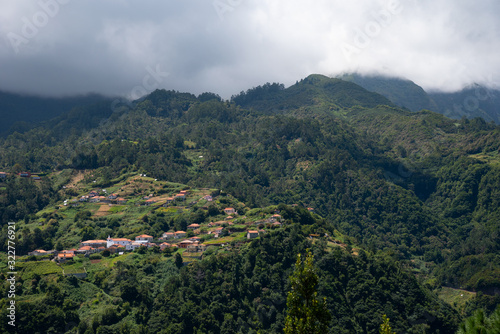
(306, 314)
(479, 323)
(385, 327)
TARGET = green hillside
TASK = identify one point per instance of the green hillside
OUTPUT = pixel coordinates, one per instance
(398, 207)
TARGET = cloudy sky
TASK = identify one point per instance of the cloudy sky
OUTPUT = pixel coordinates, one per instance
(61, 47)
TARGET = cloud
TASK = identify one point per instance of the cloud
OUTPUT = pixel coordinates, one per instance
(60, 47)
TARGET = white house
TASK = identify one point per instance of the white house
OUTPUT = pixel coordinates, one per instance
(118, 241)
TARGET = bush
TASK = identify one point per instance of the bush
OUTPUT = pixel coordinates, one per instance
(95, 256)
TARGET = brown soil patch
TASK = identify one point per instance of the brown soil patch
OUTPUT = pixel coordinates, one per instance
(103, 210)
(95, 261)
(76, 179)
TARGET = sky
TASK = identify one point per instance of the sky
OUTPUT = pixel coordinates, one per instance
(129, 48)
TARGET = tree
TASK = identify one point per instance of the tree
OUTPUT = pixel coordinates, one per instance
(178, 260)
(385, 327)
(306, 313)
(480, 323)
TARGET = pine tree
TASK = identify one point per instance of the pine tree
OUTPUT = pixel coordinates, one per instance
(306, 313)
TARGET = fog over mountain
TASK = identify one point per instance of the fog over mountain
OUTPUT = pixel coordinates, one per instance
(56, 47)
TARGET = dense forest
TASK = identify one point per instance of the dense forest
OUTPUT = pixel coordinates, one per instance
(416, 192)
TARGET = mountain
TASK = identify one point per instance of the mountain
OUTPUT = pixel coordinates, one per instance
(470, 102)
(400, 210)
(21, 112)
(314, 95)
(404, 93)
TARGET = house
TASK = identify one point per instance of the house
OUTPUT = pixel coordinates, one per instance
(65, 255)
(195, 248)
(229, 218)
(94, 199)
(149, 202)
(93, 243)
(103, 199)
(143, 238)
(118, 241)
(113, 196)
(36, 178)
(229, 211)
(186, 243)
(276, 217)
(133, 245)
(84, 199)
(168, 201)
(252, 234)
(180, 197)
(93, 193)
(276, 224)
(179, 234)
(208, 198)
(86, 250)
(165, 245)
(193, 226)
(3, 175)
(310, 210)
(38, 252)
(25, 174)
(168, 235)
(121, 201)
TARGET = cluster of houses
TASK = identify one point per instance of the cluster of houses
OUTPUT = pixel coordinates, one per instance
(114, 245)
(93, 197)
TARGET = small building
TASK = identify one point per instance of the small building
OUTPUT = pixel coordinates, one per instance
(118, 241)
(252, 234)
(65, 255)
(168, 235)
(165, 245)
(113, 196)
(149, 202)
(193, 226)
(86, 250)
(229, 211)
(143, 238)
(3, 175)
(186, 243)
(25, 174)
(133, 245)
(310, 210)
(179, 234)
(180, 197)
(121, 200)
(208, 198)
(38, 252)
(94, 199)
(168, 201)
(93, 243)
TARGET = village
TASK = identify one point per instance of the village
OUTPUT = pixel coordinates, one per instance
(142, 196)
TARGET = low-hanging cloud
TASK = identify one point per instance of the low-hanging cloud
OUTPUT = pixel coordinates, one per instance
(61, 47)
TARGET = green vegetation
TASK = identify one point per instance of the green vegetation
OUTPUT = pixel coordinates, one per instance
(397, 207)
(305, 313)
